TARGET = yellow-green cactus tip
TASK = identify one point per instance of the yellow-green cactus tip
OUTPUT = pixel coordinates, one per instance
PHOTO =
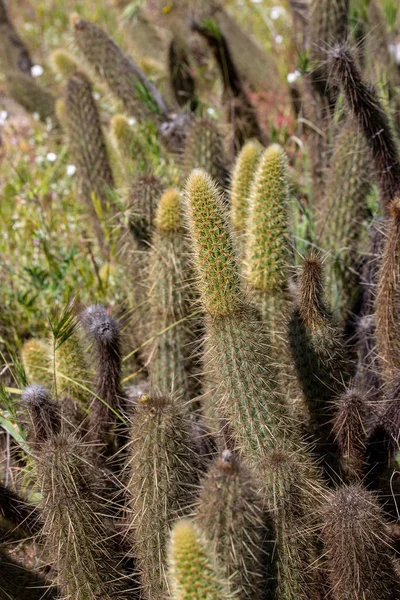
(63, 63)
(169, 212)
(214, 255)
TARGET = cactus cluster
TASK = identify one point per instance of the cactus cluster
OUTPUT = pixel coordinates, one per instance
(260, 460)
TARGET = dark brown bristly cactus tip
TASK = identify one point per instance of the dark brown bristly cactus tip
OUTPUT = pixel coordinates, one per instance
(350, 429)
(372, 118)
(359, 558)
(43, 414)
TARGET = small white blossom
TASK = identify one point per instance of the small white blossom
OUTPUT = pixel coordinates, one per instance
(132, 121)
(71, 170)
(36, 71)
(211, 111)
(51, 156)
(276, 12)
(278, 39)
(39, 159)
(96, 95)
(3, 117)
(291, 77)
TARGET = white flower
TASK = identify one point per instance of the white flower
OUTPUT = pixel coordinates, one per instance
(51, 156)
(71, 170)
(211, 111)
(39, 159)
(278, 39)
(3, 117)
(132, 121)
(36, 71)
(96, 95)
(276, 12)
(291, 77)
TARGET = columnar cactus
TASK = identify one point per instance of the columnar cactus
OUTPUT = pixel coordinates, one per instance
(204, 149)
(161, 484)
(174, 323)
(242, 179)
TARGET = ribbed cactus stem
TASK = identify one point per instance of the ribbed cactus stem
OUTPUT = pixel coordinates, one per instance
(344, 212)
(360, 564)
(220, 285)
(319, 354)
(292, 488)
(193, 572)
(386, 306)
(123, 77)
(174, 324)
(242, 178)
(237, 356)
(128, 142)
(350, 429)
(230, 514)
(108, 410)
(88, 147)
(42, 414)
(267, 249)
(162, 482)
(373, 121)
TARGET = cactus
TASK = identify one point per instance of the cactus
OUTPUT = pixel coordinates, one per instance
(319, 353)
(63, 63)
(345, 211)
(13, 53)
(267, 254)
(387, 335)
(293, 490)
(32, 96)
(231, 516)
(42, 414)
(108, 429)
(140, 98)
(373, 120)
(328, 24)
(88, 147)
(171, 304)
(192, 570)
(350, 429)
(368, 377)
(204, 149)
(35, 355)
(76, 536)
(237, 347)
(242, 178)
(161, 485)
(360, 564)
(181, 80)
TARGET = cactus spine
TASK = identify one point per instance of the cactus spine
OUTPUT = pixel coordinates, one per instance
(192, 570)
(162, 482)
